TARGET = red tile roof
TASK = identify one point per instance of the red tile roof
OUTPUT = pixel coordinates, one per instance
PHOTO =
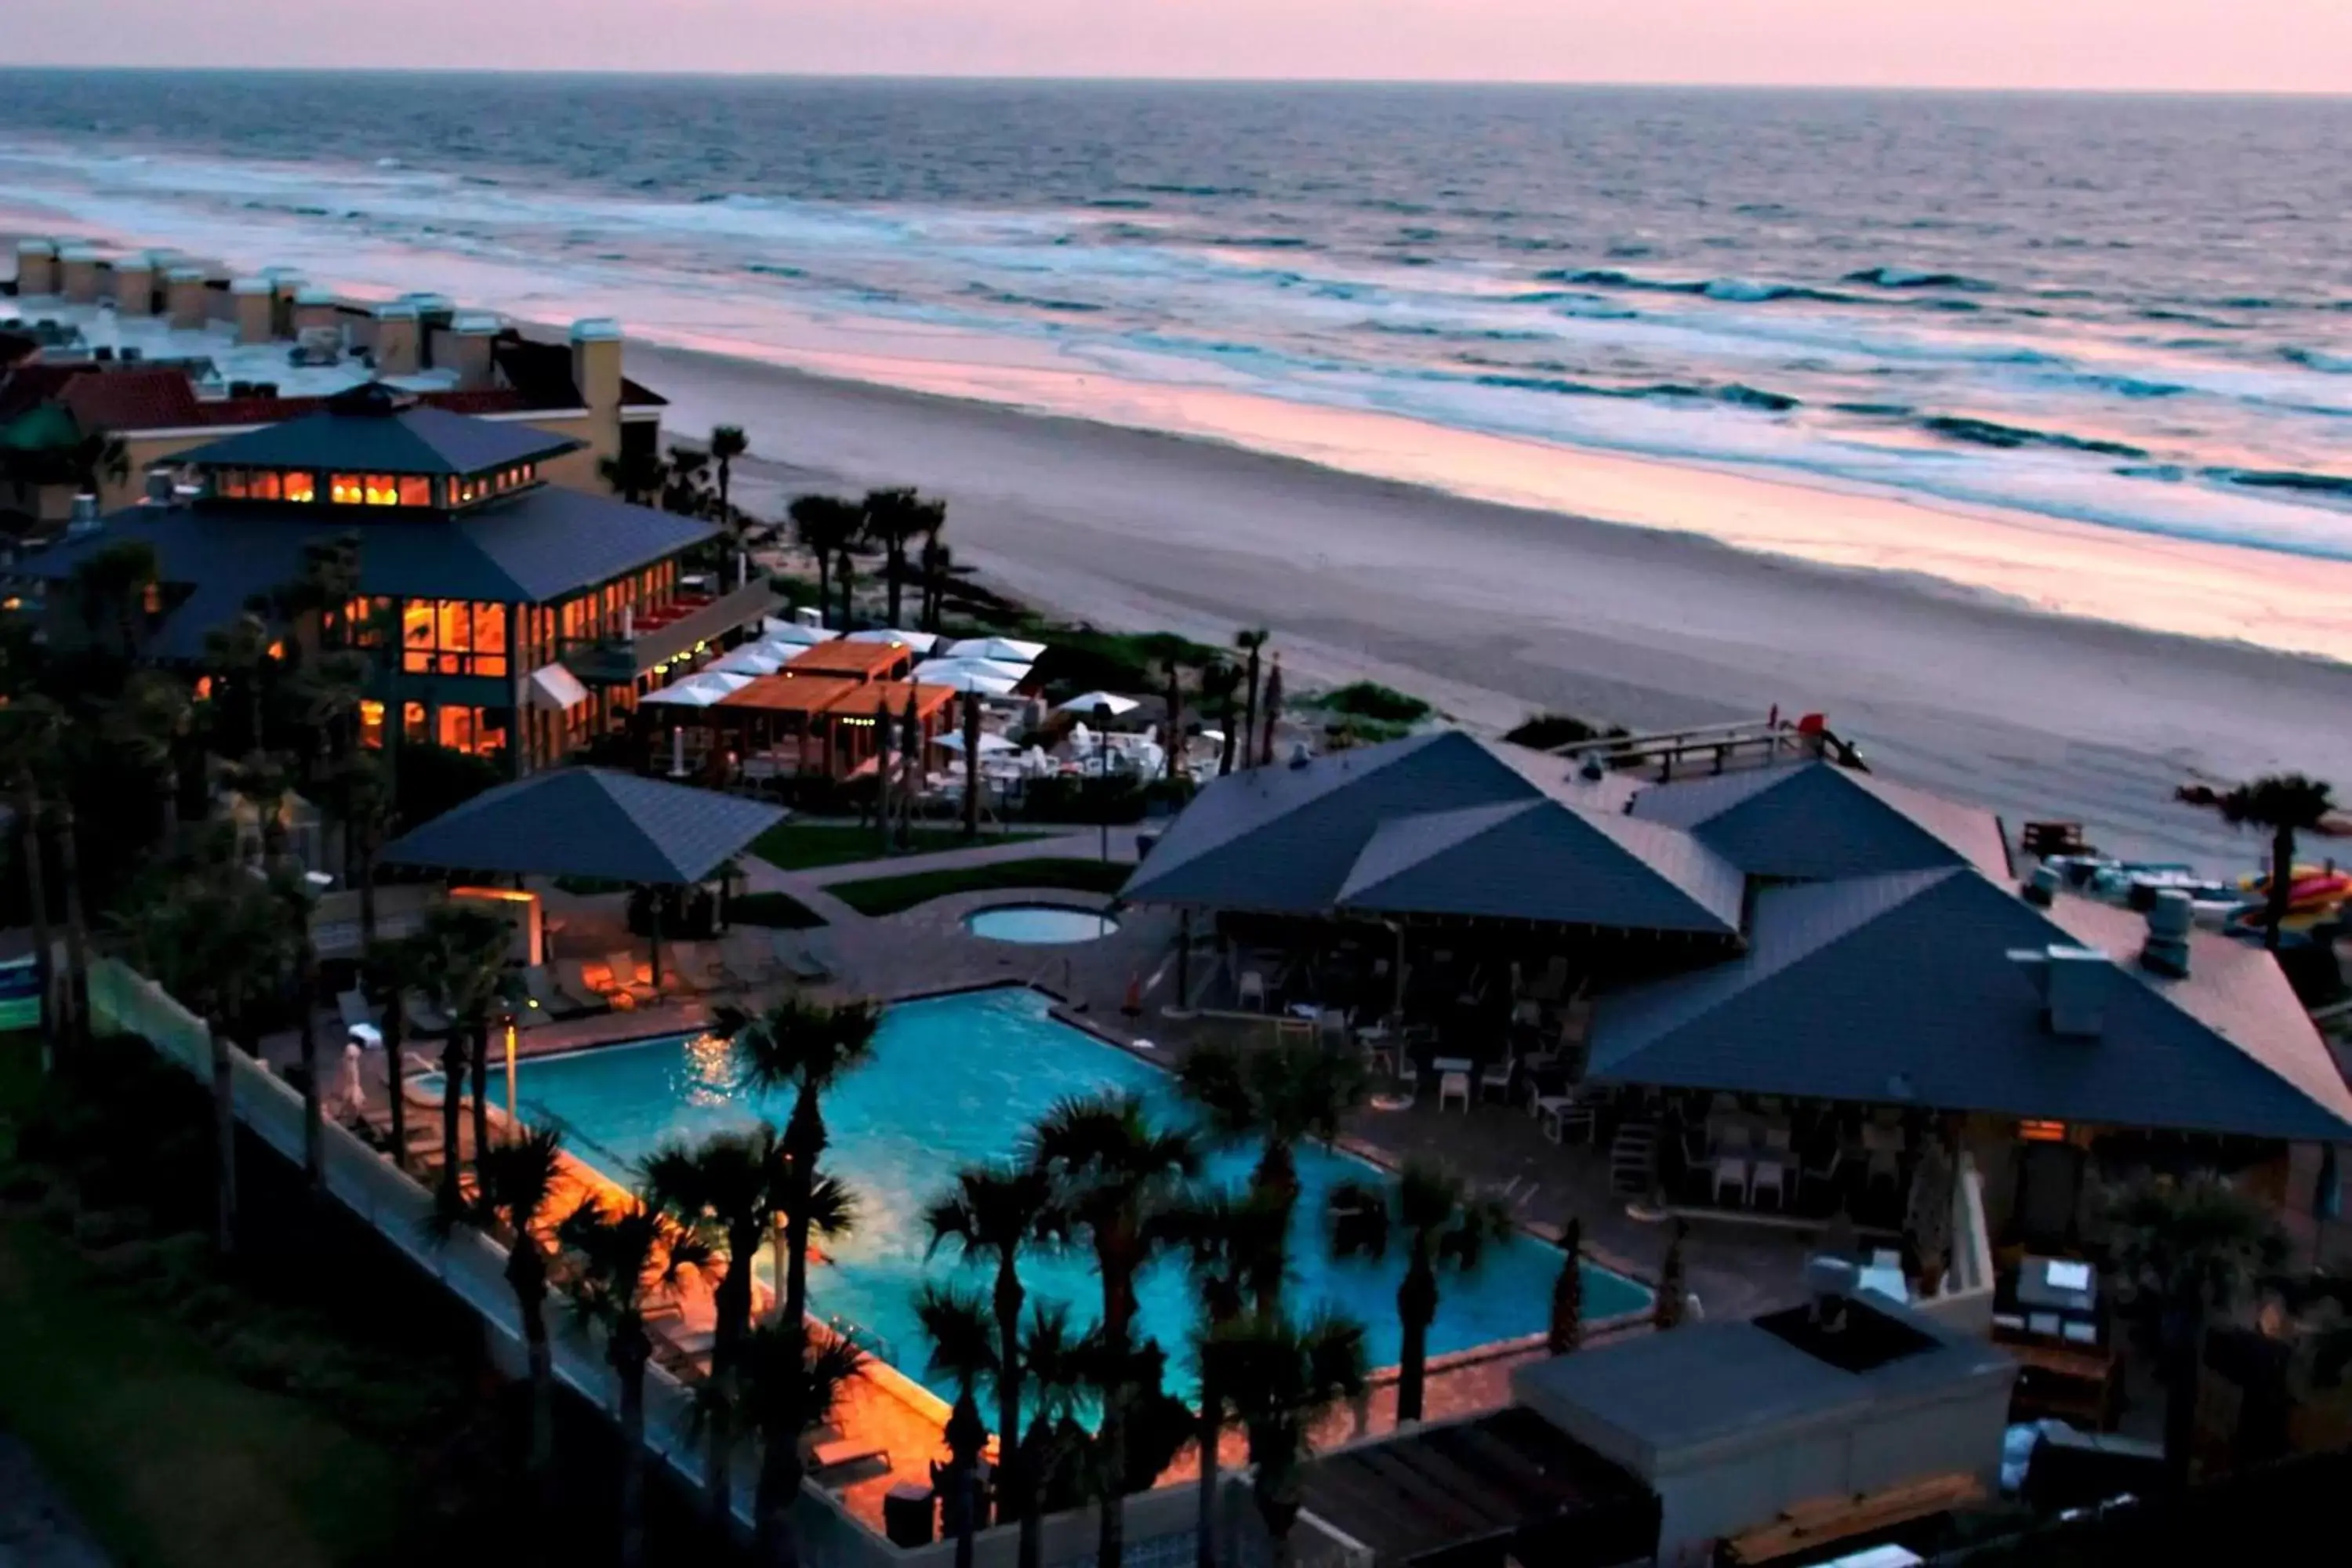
(131, 400)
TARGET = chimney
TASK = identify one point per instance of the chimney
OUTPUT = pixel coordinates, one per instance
(134, 286)
(2169, 922)
(397, 339)
(37, 268)
(596, 362)
(314, 308)
(159, 488)
(463, 348)
(254, 298)
(2073, 984)
(78, 269)
(2041, 889)
(183, 296)
(85, 515)
(1830, 1282)
(434, 313)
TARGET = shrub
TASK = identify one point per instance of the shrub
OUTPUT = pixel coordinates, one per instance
(1544, 731)
(1369, 699)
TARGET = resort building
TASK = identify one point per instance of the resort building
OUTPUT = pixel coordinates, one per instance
(1765, 995)
(167, 355)
(507, 616)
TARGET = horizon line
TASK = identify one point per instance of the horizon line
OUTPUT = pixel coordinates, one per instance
(1126, 80)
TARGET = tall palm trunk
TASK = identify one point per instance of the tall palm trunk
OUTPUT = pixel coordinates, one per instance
(972, 764)
(849, 590)
(1226, 755)
(1221, 1312)
(1119, 1332)
(76, 926)
(731, 1308)
(1175, 722)
(1013, 1491)
(1249, 717)
(37, 891)
(774, 1540)
(223, 1141)
(2281, 895)
(823, 582)
(480, 1032)
(1416, 1309)
(453, 1096)
(527, 1272)
(396, 1045)
(894, 569)
(627, 1353)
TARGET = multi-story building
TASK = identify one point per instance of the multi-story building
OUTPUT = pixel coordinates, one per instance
(166, 356)
(510, 615)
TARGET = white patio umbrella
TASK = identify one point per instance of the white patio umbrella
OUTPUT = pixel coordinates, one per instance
(702, 690)
(1012, 650)
(756, 659)
(965, 680)
(794, 634)
(944, 671)
(1087, 701)
(920, 641)
(989, 745)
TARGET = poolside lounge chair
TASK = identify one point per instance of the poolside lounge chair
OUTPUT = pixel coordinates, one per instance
(800, 961)
(569, 984)
(542, 988)
(829, 1455)
(623, 962)
(424, 1018)
(356, 1011)
(690, 968)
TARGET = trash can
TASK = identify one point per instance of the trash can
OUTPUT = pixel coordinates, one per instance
(907, 1509)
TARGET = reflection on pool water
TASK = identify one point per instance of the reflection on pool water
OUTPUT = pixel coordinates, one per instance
(957, 1079)
(1039, 923)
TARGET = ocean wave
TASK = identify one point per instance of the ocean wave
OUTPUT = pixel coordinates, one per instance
(996, 296)
(1987, 433)
(1908, 277)
(773, 270)
(2131, 385)
(1736, 393)
(2334, 486)
(2312, 359)
(1453, 334)
(1120, 203)
(1730, 290)
(1874, 410)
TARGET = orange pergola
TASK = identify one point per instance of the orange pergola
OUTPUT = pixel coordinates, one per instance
(835, 713)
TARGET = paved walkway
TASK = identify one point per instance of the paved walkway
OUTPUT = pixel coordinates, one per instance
(38, 1529)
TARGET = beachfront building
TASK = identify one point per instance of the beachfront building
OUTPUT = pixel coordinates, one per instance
(1770, 996)
(166, 356)
(506, 615)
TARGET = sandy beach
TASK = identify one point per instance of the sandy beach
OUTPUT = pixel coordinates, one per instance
(1492, 611)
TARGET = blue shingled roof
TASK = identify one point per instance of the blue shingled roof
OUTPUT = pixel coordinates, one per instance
(1816, 822)
(532, 546)
(392, 439)
(1541, 860)
(590, 822)
(1899, 988)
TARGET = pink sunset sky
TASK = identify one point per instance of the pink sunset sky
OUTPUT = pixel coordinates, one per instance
(2286, 45)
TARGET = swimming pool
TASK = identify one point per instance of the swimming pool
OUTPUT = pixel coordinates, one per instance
(957, 1080)
(1039, 923)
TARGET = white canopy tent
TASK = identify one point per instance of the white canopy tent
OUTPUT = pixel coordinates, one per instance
(705, 689)
(922, 642)
(1010, 650)
(981, 675)
(989, 745)
(792, 634)
(1089, 702)
(757, 658)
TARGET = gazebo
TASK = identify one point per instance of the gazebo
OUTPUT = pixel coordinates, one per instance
(590, 822)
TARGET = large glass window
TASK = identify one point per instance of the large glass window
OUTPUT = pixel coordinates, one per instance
(372, 724)
(370, 490)
(301, 487)
(452, 636)
(415, 490)
(478, 730)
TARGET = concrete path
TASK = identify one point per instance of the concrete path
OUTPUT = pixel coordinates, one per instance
(38, 1529)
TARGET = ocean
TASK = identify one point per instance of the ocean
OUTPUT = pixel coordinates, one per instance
(2128, 313)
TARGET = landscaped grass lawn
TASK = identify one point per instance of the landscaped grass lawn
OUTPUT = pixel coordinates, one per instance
(888, 895)
(806, 846)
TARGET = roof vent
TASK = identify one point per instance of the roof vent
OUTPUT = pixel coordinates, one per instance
(2041, 889)
(1298, 757)
(1830, 1282)
(159, 488)
(1592, 768)
(2169, 920)
(2073, 983)
(85, 515)
(371, 400)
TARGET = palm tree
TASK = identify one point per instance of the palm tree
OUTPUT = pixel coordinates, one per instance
(1273, 696)
(1277, 1098)
(620, 1257)
(790, 1386)
(728, 1192)
(894, 519)
(826, 527)
(149, 725)
(2183, 1252)
(939, 565)
(30, 734)
(111, 585)
(1119, 1179)
(236, 659)
(956, 1323)
(1175, 764)
(727, 443)
(99, 458)
(685, 484)
(994, 1212)
(1444, 1226)
(1672, 1301)
(1252, 643)
(513, 1181)
(634, 476)
(361, 793)
(1285, 1378)
(806, 1046)
(1063, 1369)
(465, 954)
(394, 968)
(972, 764)
(1229, 1243)
(1221, 684)
(1567, 1332)
(2286, 804)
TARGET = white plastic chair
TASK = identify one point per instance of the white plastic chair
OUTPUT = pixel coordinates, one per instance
(1731, 1175)
(1453, 1086)
(1768, 1177)
(1494, 1079)
(1252, 989)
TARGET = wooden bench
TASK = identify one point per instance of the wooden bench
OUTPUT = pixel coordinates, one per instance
(1819, 1520)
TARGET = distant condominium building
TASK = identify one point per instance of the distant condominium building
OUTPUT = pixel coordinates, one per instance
(164, 355)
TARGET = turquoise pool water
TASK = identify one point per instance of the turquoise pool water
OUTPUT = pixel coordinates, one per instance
(957, 1080)
(1039, 923)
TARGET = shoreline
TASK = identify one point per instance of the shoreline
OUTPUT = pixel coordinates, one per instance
(1493, 611)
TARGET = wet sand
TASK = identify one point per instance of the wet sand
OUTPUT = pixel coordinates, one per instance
(1493, 611)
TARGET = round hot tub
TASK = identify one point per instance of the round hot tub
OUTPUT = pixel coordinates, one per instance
(1039, 924)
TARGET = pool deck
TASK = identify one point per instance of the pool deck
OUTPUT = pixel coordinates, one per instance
(1734, 1272)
